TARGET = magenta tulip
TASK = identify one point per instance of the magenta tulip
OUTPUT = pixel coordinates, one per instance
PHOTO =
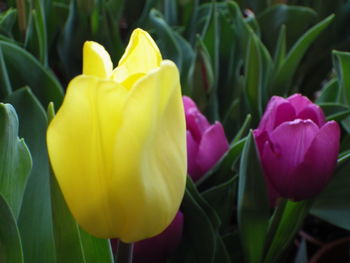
(157, 249)
(298, 148)
(206, 143)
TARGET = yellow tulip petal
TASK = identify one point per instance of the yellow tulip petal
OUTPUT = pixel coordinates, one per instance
(141, 56)
(80, 144)
(150, 154)
(96, 60)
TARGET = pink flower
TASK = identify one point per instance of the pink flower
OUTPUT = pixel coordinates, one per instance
(298, 148)
(206, 143)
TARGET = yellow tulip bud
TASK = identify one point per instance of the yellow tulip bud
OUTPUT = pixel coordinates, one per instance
(117, 145)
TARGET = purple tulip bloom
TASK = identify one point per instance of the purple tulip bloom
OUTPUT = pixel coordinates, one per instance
(157, 249)
(206, 143)
(297, 147)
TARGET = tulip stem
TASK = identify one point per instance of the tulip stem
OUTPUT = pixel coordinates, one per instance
(124, 253)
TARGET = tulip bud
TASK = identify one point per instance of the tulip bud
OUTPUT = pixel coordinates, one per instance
(298, 148)
(117, 145)
(206, 143)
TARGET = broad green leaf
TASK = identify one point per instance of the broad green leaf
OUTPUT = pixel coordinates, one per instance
(281, 46)
(222, 255)
(35, 220)
(173, 46)
(23, 69)
(253, 77)
(208, 209)
(166, 39)
(290, 221)
(10, 240)
(284, 74)
(221, 198)
(211, 40)
(15, 159)
(333, 204)
(203, 76)
(296, 19)
(335, 111)
(7, 20)
(200, 231)
(253, 205)
(170, 12)
(5, 87)
(341, 61)
(40, 26)
(234, 246)
(330, 92)
(244, 128)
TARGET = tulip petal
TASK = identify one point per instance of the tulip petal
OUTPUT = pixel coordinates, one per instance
(212, 147)
(188, 103)
(285, 152)
(319, 162)
(141, 56)
(192, 152)
(96, 60)
(158, 248)
(299, 102)
(150, 156)
(196, 123)
(278, 110)
(314, 113)
(80, 144)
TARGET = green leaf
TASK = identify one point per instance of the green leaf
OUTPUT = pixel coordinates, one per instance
(253, 77)
(253, 206)
(170, 12)
(333, 204)
(282, 79)
(296, 19)
(15, 159)
(24, 69)
(234, 246)
(10, 240)
(166, 39)
(35, 220)
(221, 198)
(7, 20)
(341, 61)
(335, 111)
(200, 231)
(40, 28)
(330, 92)
(280, 52)
(291, 220)
(6, 87)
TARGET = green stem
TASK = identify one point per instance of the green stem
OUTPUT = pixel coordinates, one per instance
(21, 9)
(289, 223)
(124, 253)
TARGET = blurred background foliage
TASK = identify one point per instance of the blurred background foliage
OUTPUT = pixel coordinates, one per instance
(232, 56)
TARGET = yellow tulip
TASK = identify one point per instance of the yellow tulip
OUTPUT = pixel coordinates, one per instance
(117, 145)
